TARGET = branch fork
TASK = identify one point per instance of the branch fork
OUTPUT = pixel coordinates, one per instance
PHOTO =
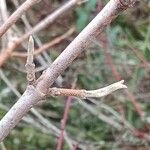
(30, 68)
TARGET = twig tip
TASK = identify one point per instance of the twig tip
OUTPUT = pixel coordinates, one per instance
(31, 39)
(122, 85)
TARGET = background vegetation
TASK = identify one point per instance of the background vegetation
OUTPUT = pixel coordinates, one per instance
(121, 52)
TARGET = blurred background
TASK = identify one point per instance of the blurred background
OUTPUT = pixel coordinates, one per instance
(119, 121)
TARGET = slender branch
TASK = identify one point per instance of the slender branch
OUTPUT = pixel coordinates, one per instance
(6, 54)
(28, 27)
(4, 17)
(109, 120)
(2, 146)
(16, 15)
(140, 56)
(87, 94)
(51, 18)
(64, 122)
(34, 94)
(46, 45)
(117, 76)
(3, 10)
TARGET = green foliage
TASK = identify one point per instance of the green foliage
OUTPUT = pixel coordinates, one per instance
(147, 54)
(84, 14)
(29, 138)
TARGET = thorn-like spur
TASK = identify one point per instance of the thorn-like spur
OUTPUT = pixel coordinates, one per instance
(30, 66)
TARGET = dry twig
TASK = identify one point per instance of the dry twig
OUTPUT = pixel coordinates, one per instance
(6, 54)
(140, 56)
(87, 94)
(16, 15)
(63, 123)
(47, 45)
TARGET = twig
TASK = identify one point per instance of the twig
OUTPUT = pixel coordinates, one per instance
(83, 94)
(46, 45)
(16, 15)
(4, 12)
(41, 25)
(63, 123)
(116, 115)
(2, 146)
(37, 40)
(140, 56)
(51, 18)
(5, 54)
(109, 61)
(46, 123)
(117, 76)
(136, 104)
(34, 94)
(5, 79)
(101, 116)
(30, 66)
(4, 16)
(87, 94)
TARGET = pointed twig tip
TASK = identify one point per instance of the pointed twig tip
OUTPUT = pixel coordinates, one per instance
(31, 40)
(31, 46)
(30, 66)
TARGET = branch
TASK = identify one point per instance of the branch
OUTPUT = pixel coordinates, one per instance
(87, 94)
(117, 76)
(64, 122)
(4, 17)
(46, 45)
(16, 15)
(36, 93)
(6, 54)
(52, 17)
(140, 56)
